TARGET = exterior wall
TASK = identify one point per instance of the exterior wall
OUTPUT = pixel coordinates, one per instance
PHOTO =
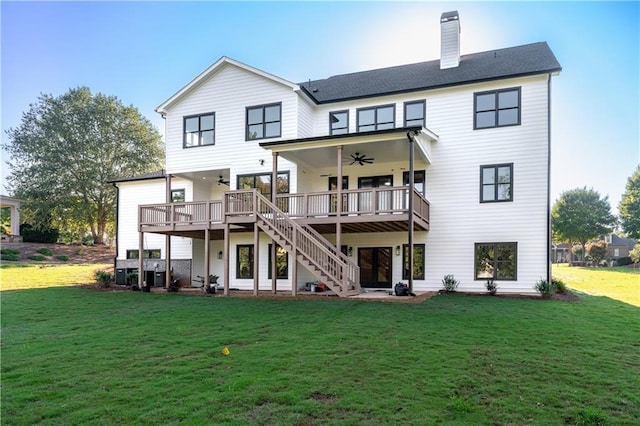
(458, 219)
(132, 194)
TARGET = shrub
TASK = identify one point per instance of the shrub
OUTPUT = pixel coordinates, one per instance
(103, 278)
(492, 287)
(45, 251)
(37, 257)
(623, 261)
(33, 235)
(9, 251)
(597, 251)
(62, 257)
(11, 257)
(544, 287)
(558, 285)
(450, 283)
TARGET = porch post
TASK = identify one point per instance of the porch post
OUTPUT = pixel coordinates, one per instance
(339, 202)
(207, 262)
(140, 258)
(410, 135)
(167, 241)
(294, 265)
(274, 192)
(256, 257)
(227, 269)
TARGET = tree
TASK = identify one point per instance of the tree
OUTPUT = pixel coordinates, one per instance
(580, 215)
(635, 255)
(597, 251)
(65, 150)
(630, 206)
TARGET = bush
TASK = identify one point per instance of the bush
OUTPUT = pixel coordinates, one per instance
(544, 287)
(492, 287)
(32, 235)
(450, 283)
(9, 251)
(597, 251)
(45, 251)
(9, 256)
(37, 257)
(623, 261)
(62, 257)
(103, 278)
(558, 285)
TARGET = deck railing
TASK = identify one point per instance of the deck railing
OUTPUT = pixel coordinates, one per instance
(355, 202)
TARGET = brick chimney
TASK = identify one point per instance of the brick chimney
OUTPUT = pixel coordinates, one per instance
(449, 40)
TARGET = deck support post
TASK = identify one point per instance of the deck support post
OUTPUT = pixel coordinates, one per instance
(140, 258)
(410, 136)
(226, 259)
(207, 261)
(256, 257)
(274, 193)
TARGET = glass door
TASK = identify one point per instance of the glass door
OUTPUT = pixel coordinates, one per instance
(375, 267)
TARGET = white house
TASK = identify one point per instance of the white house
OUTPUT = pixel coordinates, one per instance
(450, 157)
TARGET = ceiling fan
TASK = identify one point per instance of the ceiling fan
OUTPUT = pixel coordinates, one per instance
(222, 181)
(361, 159)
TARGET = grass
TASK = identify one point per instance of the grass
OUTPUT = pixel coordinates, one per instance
(620, 283)
(78, 356)
(13, 276)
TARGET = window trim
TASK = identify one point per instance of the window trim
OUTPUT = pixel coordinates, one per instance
(177, 191)
(147, 253)
(286, 256)
(251, 257)
(497, 107)
(496, 183)
(405, 260)
(375, 108)
(495, 269)
(264, 122)
(424, 112)
(254, 175)
(184, 130)
(331, 129)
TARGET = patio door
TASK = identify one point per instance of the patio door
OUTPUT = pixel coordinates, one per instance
(375, 267)
(385, 200)
(333, 199)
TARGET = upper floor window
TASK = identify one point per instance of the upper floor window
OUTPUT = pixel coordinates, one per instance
(496, 108)
(496, 183)
(199, 130)
(496, 261)
(339, 122)
(262, 182)
(414, 113)
(264, 121)
(376, 118)
(177, 196)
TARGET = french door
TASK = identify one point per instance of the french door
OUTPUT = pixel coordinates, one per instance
(375, 267)
(385, 200)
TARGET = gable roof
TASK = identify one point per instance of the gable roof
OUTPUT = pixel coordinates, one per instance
(214, 68)
(530, 59)
(619, 241)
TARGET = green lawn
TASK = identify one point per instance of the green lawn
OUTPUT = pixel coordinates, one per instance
(78, 356)
(26, 276)
(619, 283)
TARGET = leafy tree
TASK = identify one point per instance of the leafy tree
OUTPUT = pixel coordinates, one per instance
(580, 215)
(630, 206)
(65, 150)
(5, 220)
(635, 255)
(597, 251)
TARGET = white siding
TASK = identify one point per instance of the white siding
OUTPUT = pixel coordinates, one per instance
(133, 194)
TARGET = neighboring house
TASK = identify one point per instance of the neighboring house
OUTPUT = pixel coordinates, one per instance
(13, 204)
(561, 253)
(450, 157)
(618, 247)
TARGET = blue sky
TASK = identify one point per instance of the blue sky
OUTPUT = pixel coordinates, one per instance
(144, 52)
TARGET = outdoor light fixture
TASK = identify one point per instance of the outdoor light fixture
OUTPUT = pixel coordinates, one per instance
(397, 250)
(220, 254)
(261, 162)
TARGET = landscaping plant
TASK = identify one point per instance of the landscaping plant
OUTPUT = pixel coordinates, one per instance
(450, 283)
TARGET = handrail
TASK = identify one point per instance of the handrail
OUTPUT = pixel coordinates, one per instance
(316, 249)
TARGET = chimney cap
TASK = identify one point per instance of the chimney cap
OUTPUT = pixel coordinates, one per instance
(449, 16)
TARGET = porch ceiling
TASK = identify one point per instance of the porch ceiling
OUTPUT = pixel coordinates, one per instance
(384, 146)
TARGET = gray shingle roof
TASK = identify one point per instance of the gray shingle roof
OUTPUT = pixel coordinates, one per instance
(536, 58)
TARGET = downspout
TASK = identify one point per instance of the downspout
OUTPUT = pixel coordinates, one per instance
(549, 227)
(115, 258)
